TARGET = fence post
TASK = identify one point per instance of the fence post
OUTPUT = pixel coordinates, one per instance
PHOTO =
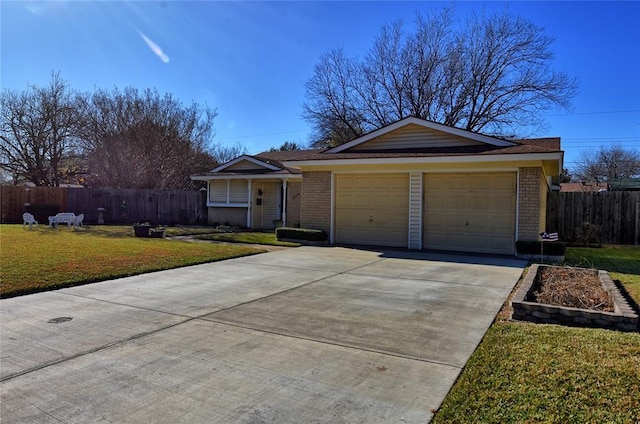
(636, 231)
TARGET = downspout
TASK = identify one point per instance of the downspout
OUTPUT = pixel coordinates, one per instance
(249, 190)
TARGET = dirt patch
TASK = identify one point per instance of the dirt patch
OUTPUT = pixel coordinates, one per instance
(572, 287)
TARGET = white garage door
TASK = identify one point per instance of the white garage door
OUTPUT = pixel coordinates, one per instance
(372, 209)
(470, 212)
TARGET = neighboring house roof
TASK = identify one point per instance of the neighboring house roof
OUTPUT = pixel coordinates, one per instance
(583, 187)
(246, 165)
(629, 184)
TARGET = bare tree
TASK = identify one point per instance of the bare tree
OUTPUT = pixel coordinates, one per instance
(331, 106)
(287, 146)
(141, 139)
(608, 163)
(489, 74)
(38, 129)
(565, 176)
(224, 154)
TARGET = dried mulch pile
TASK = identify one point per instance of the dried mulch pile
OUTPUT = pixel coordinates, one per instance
(572, 287)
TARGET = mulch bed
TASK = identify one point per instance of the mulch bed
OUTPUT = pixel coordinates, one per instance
(572, 287)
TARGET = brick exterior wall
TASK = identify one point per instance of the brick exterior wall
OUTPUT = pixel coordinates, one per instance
(315, 208)
(531, 203)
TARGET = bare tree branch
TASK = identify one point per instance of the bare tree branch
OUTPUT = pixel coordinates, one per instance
(38, 132)
(608, 163)
(490, 74)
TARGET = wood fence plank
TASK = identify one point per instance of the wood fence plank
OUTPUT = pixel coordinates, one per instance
(613, 212)
(168, 207)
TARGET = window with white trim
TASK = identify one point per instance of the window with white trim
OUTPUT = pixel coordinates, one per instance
(231, 192)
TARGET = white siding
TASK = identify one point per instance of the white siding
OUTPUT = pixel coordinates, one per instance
(244, 165)
(415, 210)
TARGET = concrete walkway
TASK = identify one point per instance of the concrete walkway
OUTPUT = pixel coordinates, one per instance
(305, 335)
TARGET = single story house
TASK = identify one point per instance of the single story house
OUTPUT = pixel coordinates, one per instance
(628, 184)
(583, 187)
(413, 184)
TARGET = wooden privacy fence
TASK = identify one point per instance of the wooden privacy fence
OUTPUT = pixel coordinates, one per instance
(121, 206)
(614, 215)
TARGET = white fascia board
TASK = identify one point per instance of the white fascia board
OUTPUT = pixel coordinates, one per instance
(248, 158)
(427, 124)
(427, 159)
(227, 205)
(248, 177)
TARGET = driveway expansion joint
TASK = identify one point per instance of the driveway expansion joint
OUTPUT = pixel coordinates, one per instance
(386, 359)
(290, 288)
(95, 349)
(409, 278)
(187, 319)
(127, 305)
(330, 343)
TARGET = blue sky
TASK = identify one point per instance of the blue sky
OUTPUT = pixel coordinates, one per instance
(250, 59)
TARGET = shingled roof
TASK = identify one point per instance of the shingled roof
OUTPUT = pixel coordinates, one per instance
(525, 146)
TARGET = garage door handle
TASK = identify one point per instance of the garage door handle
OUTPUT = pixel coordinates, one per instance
(466, 223)
(371, 218)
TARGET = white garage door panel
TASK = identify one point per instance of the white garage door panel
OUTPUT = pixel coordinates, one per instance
(470, 212)
(372, 209)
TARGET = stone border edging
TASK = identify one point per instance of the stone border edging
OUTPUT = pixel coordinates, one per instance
(623, 318)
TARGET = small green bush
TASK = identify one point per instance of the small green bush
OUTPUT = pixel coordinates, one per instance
(300, 234)
(532, 247)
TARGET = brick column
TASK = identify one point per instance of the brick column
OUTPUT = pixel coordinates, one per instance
(531, 203)
(315, 207)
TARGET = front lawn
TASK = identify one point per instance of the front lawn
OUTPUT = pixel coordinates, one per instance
(524, 372)
(252, 237)
(48, 258)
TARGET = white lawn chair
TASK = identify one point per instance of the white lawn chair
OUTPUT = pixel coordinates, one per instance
(29, 219)
(78, 222)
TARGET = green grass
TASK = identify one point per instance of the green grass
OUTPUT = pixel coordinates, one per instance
(47, 259)
(622, 262)
(530, 373)
(268, 238)
(525, 373)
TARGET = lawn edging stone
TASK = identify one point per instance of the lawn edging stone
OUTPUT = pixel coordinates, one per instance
(623, 318)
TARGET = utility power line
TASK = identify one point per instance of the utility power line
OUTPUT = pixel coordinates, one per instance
(606, 112)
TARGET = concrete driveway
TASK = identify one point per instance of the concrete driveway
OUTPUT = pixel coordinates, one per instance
(305, 335)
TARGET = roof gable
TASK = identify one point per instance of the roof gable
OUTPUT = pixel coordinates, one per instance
(245, 163)
(414, 133)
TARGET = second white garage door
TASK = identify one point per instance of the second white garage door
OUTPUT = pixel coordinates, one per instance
(372, 209)
(470, 212)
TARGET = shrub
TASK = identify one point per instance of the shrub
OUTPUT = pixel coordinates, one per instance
(300, 234)
(532, 247)
(588, 233)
